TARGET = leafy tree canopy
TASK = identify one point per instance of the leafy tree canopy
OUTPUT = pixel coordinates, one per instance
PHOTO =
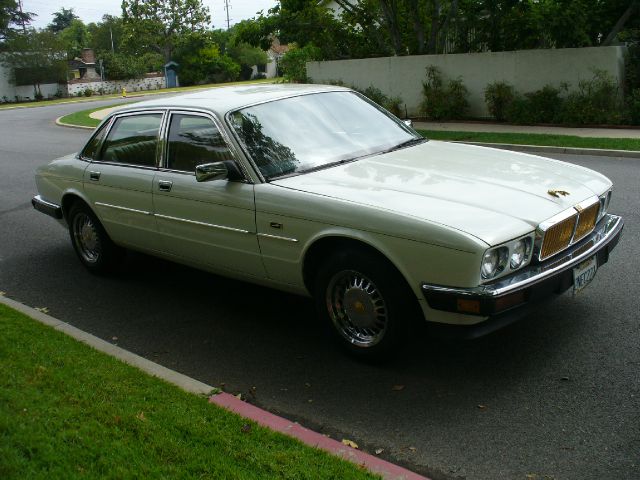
(62, 19)
(11, 17)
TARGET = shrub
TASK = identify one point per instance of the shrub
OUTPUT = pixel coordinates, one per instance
(633, 106)
(597, 101)
(542, 106)
(259, 76)
(294, 62)
(38, 96)
(88, 92)
(498, 96)
(443, 102)
(392, 104)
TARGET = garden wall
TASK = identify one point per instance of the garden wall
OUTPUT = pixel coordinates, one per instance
(526, 70)
(78, 87)
(9, 92)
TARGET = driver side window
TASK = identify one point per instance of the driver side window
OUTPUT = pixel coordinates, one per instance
(194, 140)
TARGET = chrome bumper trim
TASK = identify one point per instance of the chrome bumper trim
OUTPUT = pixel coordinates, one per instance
(607, 230)
(48, 208)
(277, 237)
(202, 224)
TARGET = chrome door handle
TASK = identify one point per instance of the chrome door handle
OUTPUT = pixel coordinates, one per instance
(165, 185)
(94, 176)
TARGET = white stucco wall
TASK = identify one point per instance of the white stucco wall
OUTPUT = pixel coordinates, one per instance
(10, 91)
(526, 70)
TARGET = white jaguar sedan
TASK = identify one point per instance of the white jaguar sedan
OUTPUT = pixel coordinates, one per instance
(318, 191)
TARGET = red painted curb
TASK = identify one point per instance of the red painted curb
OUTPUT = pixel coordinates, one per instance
(376, 465)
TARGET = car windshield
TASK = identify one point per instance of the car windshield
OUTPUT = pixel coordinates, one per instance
(309, 132)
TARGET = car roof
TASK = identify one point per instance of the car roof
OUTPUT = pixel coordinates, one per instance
(221, 100)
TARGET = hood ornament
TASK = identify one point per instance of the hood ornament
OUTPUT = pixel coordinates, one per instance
(557, 193)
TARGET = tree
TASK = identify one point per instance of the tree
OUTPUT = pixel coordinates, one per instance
(247, 56)
(74, 38)
(62, 19)
(156, 24)
(201, 62)
(106, 36)
(11, 15)
(35, 57)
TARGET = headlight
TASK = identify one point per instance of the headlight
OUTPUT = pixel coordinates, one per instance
(520, 252)
(494, 261)
(505, 258)
(605, 199)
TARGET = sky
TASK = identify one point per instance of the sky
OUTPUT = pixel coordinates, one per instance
(92, 10)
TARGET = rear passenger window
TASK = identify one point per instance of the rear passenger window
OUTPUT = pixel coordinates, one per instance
(91, 149)
(194, 140)
(133, 140)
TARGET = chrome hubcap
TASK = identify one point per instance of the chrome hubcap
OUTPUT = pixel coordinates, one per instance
(86, 236)
(357, 309)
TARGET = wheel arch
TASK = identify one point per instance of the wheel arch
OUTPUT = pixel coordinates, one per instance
(69, 198)
(321, 247)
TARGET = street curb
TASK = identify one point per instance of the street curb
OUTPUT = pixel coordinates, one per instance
(71, 125)
(387, 470)
(549, 149)
(376, 465)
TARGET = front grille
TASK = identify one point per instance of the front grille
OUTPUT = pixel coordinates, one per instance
(558, 237)
(586, 221)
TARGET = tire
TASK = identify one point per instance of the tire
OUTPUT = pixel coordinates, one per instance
(365, 303)
(93, 246)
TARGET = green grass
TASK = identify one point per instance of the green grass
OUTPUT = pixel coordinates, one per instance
(536, 139)
(43, 103)
(68, 411)
(82, 117)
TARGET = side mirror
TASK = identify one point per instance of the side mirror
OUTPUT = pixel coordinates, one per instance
(408, 122)
(218, 171)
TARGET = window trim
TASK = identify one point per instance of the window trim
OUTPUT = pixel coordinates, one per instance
(112, 121)
(106, 126)
(162, 164)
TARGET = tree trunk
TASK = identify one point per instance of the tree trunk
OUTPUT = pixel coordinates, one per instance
(619, 24)
(435, 24)
(391, 16)
(444, 29)
(418, 27)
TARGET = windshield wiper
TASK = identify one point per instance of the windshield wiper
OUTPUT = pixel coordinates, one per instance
(407, 143)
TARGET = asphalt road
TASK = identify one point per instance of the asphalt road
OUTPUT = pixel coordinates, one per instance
(554, 397)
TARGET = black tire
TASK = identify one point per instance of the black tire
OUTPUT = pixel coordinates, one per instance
(365, 303)
(93, 246)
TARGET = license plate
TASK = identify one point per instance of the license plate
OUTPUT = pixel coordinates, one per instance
(583, 274)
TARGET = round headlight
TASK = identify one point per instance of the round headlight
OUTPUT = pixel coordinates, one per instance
(490, 264)
(518, 254)
(494, 262)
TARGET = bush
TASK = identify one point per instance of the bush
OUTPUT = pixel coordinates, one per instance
(498, 96)
(294, 63)
(443, 102)
(542, 106)
(392, 104)
(259, 76)
(88, 92)
(597, 101)
(633, 106)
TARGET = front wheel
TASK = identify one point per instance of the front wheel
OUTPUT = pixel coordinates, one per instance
(95, 249)
(365, 302)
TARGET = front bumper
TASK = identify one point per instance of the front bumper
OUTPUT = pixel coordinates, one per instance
(47, 208)
(510, 298)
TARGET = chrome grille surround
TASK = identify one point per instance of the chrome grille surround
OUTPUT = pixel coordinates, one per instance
(566, 228)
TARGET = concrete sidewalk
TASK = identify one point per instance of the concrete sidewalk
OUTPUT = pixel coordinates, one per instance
(502, 128)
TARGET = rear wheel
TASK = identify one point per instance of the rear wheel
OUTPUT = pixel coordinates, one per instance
(365, 302)
(95, 249)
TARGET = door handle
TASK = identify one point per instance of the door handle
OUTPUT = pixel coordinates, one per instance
(94, 176)
(165, 185)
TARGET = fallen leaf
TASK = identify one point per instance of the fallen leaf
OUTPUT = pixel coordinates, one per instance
(42, 309)
(413, 449)
(246, 428)
(397, 388)
(239, 396)
(349, 443)
(115, 339)
(117, 419)
(482, 407)
(140, 416)
(379, 451)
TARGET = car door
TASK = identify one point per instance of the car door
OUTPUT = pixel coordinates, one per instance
(211, 224)
(119, 179)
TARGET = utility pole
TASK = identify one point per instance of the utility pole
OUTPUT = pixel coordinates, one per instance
(24, 27)
(227, 7)
(113, 50)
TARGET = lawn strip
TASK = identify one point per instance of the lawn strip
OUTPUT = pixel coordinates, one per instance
(82, 117)
(536, 139)
(69, 411)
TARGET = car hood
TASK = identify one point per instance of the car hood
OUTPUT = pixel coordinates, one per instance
(492, 194)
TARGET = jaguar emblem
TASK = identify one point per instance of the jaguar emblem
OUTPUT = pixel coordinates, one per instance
(557, 193)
